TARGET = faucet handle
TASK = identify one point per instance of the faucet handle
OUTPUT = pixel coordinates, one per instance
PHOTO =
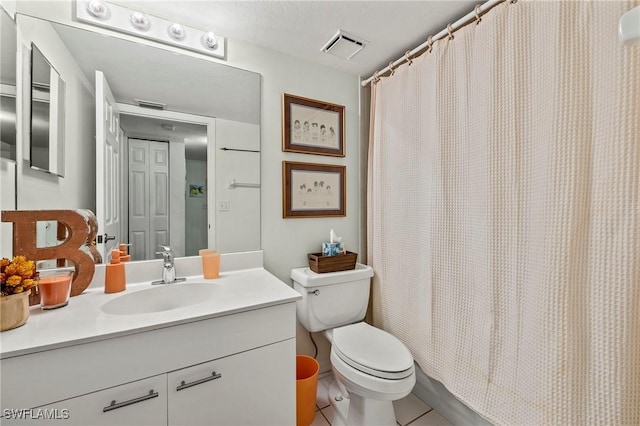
(167, 253)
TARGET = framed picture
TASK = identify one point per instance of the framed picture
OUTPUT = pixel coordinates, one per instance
(313, 190)
(196, 191)
(312, 127)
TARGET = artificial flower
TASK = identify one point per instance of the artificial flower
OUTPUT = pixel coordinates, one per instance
(17, 275)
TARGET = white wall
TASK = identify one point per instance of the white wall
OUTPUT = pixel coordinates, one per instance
(286, 242)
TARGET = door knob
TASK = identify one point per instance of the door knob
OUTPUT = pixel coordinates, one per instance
(105, 238)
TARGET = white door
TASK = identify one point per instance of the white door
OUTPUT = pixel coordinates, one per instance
(148, 197)
(108, 141)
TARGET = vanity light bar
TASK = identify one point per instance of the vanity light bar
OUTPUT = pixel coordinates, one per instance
(122, 19)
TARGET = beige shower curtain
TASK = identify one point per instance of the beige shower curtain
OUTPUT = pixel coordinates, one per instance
(504, 214)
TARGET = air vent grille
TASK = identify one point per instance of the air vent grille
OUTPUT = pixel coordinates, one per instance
(151, 105)
(344, 45)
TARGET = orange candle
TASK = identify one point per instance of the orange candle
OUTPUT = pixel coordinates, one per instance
(55, 291)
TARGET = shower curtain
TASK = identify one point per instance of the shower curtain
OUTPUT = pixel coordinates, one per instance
(504, 213)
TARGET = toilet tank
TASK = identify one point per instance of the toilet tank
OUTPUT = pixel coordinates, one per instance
(332, 299)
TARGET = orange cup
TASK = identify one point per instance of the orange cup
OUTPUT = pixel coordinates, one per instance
(55, 288)
(210, 263)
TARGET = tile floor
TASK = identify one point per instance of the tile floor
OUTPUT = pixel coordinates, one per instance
(409, 410)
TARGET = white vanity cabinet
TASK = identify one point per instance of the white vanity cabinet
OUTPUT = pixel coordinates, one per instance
(252, 353)
(140, 403)
(243, 389)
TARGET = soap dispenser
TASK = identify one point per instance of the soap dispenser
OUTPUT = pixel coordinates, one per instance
(124, 252)
(114, 277)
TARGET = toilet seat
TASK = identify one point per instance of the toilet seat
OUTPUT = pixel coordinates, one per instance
(372, 351)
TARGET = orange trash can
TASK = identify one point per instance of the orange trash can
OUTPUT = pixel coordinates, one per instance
(306, 385)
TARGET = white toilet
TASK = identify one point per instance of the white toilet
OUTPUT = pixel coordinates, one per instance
(373, 366)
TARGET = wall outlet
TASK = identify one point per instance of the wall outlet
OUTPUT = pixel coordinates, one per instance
(224, 206)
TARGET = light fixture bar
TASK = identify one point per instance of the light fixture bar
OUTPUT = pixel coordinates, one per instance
(122, 19)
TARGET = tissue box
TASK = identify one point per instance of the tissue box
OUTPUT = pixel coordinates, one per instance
(331, 249)
(342, 262)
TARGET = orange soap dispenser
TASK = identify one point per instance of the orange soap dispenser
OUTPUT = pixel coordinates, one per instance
(114, 276)
(124, 252)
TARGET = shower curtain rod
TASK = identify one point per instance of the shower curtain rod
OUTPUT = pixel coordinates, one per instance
(469, 17)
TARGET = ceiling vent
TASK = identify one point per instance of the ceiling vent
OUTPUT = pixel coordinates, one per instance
(343, 45)
(151, 105)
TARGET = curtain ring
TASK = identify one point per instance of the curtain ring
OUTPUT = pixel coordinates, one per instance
(392, 70)
(450, 31)
(430, 42)
(477, 11)
(408, 57)
(376, 77)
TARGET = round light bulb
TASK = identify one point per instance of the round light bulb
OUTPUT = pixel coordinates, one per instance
(209, 40)
(177, 32)
(97, 9)
(140, 21)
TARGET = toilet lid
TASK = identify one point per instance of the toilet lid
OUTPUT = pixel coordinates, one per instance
(372, 351)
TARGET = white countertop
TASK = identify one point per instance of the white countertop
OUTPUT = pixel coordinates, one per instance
(84, 321)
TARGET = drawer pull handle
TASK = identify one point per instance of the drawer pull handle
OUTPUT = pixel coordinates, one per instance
(115, 405)
(184, 385)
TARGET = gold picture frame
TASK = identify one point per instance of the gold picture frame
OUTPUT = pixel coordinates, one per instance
(312, 127)
(313, 190)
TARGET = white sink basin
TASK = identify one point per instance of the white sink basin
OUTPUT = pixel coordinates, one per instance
(161, 298)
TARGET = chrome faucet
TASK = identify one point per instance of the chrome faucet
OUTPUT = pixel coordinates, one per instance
(168, 269)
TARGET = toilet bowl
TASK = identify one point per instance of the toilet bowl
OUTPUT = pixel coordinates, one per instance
(375, 368)
(371, 365)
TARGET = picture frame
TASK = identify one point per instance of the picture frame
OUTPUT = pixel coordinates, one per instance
(313, 190)
(196, 190)
(312, 127)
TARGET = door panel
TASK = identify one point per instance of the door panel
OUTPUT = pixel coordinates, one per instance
(108, 143)
(148, 197)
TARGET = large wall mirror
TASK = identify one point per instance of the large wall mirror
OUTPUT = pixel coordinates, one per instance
(177, 129)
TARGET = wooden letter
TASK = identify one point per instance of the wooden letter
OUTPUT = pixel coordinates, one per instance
(81, 227)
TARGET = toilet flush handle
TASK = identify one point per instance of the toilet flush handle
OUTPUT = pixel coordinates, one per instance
(314, 292)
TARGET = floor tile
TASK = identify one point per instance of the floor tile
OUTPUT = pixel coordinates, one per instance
(319, 420)
(322, 395)
(431, 419)
(409, 408)
(328, 413)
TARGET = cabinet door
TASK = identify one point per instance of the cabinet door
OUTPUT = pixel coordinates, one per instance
(256, 387)
(143, 402)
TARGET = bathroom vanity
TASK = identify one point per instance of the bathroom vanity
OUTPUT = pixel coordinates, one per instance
(226, 357)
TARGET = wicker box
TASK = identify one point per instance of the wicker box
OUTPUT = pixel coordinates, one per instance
(342, 262)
